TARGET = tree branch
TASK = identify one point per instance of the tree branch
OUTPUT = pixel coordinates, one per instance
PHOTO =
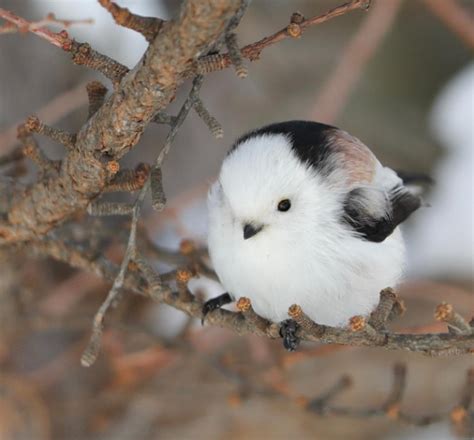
(17, 24)
(295, 29)
(118, 125)
(147, 26)
(246, 321)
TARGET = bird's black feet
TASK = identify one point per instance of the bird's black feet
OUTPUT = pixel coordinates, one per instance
(288, 330)
(215, 303)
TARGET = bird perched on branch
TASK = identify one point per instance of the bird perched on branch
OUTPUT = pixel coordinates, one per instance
(304, 213)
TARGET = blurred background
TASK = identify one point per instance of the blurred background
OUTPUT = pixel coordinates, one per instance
(397, 77)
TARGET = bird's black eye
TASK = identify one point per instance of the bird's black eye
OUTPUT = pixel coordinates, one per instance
(284, 205)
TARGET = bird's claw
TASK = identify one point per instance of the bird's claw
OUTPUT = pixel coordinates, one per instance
(214, 304)
(288, 329)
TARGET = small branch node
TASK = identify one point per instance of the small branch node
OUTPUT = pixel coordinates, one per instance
(34, 125)
(393, 411)
(187, 247)
(158, 198)
(357, 323)
(151, 276)
(244, 305)
(294, 30)
(84, 55)
(458, 415)
(113, 167)
(96, 92)
(297, 17)
(183, 276)
(211, 63)
(389, 306)
(31, 125)
(445, 312)
(360, 324)
(366, 5)
(304, 321)
(102, 209)
(147, 26)
(235, 55)
(129, 180)
(90, 354)
(212, 123)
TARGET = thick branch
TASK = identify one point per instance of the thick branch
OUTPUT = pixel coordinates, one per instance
(118, 125)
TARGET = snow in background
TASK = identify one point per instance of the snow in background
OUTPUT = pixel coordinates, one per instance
(104, 35)
(441, 242)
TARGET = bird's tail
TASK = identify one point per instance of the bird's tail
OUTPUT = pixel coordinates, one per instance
(416, 183)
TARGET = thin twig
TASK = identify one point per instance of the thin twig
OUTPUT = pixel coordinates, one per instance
(92, 350)
(188, 104)
(445, 312)
(245, 307)
(104, 209)
(32, 150)
(16, 24)
(252, 51)
(389, 306)
(58, 39)
(211, 122)
(34, 125)
(235, 55)
(129, 180)
(163, 118)
(84, 55)
(158, 198)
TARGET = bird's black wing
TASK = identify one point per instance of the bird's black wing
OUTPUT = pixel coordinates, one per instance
(400, 203)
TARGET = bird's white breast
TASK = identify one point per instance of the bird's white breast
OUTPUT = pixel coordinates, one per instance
(329, 272)
(306, 256)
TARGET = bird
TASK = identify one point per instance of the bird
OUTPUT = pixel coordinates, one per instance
(304, 213)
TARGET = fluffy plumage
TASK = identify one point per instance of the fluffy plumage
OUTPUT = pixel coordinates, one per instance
(335, 248)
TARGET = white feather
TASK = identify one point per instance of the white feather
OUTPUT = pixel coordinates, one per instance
(305, 256)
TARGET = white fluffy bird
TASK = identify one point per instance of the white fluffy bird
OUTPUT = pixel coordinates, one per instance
(304, 213)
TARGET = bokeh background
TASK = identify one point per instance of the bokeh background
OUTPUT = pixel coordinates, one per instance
(396, 77)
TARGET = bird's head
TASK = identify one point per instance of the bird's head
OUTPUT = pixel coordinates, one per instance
(270, 193)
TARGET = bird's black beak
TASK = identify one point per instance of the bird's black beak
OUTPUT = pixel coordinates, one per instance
(251, 230)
